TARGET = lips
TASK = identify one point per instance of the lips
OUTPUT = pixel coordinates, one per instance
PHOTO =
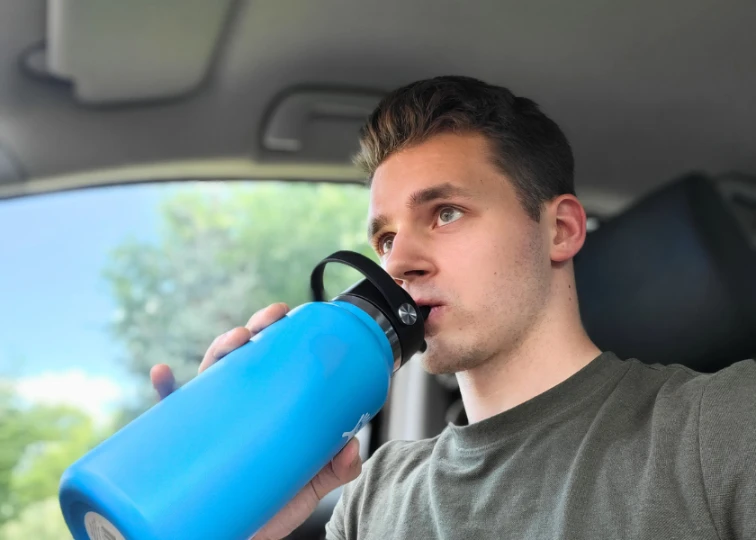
(427, 303)
(430, 308)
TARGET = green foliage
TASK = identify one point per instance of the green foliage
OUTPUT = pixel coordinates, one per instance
(39, 521)
(226, 252)
(37, 443)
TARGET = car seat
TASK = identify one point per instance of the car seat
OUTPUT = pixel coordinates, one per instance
(673, 278)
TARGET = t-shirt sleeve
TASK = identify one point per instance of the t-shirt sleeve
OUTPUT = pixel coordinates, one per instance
(727, 439)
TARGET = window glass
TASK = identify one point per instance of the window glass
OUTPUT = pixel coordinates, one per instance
(98, 285)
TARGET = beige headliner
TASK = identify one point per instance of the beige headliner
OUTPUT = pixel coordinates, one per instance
(645, 90)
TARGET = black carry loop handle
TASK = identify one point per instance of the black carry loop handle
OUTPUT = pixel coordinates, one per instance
(382, 291)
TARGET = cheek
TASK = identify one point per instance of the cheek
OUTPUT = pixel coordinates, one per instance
(476, 265)
(483, 266)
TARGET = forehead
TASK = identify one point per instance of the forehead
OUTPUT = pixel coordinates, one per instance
(457, 161)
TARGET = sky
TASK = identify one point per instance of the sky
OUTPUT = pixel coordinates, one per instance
(54, 303)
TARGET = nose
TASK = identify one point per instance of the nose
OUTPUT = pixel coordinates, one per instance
(407, 260)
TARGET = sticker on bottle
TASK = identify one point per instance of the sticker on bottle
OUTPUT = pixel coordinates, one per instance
(361, 423)
(99, 528)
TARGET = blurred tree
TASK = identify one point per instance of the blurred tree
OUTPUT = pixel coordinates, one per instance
(14, 438)
(227, 250)
(70, 434)
(39, 521)
(37, 443)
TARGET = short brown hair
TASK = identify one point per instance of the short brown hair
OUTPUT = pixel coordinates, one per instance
(527, 145)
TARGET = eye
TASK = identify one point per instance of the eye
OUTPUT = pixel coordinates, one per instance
(385, 243)
(449, 215)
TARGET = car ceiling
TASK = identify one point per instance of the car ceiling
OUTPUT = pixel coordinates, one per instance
(645, 91)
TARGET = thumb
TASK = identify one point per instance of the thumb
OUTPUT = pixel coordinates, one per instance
(345, 467)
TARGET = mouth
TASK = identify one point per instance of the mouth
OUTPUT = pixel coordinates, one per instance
(431, 309)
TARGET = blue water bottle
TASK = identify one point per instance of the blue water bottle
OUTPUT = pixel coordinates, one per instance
(218, 458)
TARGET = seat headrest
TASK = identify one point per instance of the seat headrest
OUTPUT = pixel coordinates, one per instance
(672, 279)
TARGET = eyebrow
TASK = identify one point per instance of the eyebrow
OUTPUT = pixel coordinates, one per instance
(442, 192)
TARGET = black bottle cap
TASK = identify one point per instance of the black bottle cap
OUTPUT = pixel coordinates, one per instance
(381, 291)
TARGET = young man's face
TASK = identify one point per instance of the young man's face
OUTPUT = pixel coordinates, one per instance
(448, 226)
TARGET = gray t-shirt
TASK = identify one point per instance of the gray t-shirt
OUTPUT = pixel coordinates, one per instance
(619, 450)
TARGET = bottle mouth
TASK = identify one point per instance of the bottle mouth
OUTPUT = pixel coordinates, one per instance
(378, 316)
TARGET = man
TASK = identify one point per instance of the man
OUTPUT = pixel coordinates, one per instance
(473, 211)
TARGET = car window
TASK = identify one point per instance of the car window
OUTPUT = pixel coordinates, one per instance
(98, 285)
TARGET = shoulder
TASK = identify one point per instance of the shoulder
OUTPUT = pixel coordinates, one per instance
(720, 408)
(676, 399)
(739, 377)
(731, 390)
(672, 385)
(728, 402)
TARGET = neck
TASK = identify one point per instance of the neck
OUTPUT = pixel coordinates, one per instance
(553, 349)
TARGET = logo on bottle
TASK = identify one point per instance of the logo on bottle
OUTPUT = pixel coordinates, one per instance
(361, 423)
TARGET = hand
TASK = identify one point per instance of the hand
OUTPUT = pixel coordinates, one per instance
(344, 468)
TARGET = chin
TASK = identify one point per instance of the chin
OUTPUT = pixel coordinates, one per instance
(432, 366)
(439, 359)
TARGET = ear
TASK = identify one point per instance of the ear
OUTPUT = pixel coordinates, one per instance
(567, 224)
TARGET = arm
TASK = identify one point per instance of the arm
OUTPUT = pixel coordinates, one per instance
(727, 439)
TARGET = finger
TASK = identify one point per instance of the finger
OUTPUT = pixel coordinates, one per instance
(345, 467)
(224, 344)
(239, 336)
(162, 380)
(347, 462)
(266, 316)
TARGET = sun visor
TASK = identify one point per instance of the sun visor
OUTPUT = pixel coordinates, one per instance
(316, 125)
(138, 50)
